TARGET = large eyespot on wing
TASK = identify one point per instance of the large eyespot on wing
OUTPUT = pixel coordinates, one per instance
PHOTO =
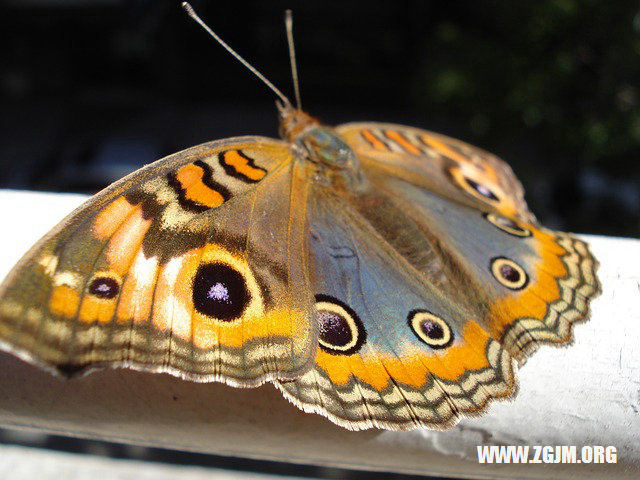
(189, 266)
(340, 330)
(441, 164)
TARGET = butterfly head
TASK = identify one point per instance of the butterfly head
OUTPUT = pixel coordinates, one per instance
(293, 121)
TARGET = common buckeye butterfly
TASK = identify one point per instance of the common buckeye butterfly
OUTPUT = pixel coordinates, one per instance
(380, 275)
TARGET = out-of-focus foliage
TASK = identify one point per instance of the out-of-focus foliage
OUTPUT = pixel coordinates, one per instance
(563, 72)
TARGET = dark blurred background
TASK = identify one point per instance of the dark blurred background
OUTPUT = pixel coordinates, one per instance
(93, 89)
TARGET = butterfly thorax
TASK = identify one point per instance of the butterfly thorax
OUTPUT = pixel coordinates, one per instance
(321, 145)
(335, 159)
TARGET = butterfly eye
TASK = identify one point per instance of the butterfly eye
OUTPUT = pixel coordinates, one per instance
(507, 225)
(103, 286)
(431, 329)
(509, 273)
(340, 330)
(220, 291)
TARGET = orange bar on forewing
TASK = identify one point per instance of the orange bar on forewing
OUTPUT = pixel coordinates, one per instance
(126, 242)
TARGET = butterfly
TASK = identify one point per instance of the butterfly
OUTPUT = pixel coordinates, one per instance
(380, 275)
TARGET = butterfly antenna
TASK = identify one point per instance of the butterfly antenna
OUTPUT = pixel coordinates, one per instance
(191, 12)
(288, 21)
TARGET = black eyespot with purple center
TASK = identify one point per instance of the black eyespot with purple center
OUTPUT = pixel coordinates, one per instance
(430, 329)
(340, 330)
(509, 273)
(220, 291)
(481, 189)
(103, 286)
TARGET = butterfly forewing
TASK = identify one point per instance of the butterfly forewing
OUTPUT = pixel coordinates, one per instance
(440, 164)
(193, 266)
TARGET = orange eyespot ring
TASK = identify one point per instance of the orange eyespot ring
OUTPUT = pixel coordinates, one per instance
(506, 225)
(223, 288)
(509, 273)
(430, 329)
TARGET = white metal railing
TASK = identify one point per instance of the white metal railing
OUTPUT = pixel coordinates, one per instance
(587, 394)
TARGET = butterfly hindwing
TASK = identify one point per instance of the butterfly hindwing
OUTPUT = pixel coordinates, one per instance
(185, 266)
(431, 291)
(397, 348)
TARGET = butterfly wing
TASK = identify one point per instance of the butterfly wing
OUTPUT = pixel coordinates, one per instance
(440, 164)
(376, 366)
(191, 265)
(484, 198)
(427, 294)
